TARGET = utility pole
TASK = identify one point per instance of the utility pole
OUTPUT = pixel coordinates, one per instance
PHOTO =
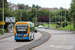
(55, 20)
(36, 17)
(49, 16)
(3, 18)
(61, 17)
(27, 15)
(21, 16)
(65, 16)
(9, 5)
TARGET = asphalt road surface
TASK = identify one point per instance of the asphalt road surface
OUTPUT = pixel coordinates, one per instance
(60, 40)
(45, 36)
(10, 44)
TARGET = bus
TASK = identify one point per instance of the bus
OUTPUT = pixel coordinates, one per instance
(24, 31)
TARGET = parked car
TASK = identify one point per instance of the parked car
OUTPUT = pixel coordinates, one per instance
(47, 27)
(40, 26)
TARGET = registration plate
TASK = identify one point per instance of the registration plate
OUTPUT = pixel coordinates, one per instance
(20, 35)
(21, 38)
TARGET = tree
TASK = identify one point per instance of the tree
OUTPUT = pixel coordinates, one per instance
(5, 4)
(26, 5)
(20, 15)
(21, 7)
(17, 15)
(37, 7)
(33, 6)
(34, 19)
(72, 11)
(25, 15)
(0, 14)
(32, 13)
(43, 12)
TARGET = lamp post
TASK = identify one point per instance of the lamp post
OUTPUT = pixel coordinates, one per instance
(61, 17)
(9, 5)
(27, 15)
(36, 18)
(21, 16)
(49, 16)
(65, 17)
(3, 18)
(55, 19)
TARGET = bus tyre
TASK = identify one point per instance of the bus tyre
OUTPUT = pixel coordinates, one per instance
(16, 40)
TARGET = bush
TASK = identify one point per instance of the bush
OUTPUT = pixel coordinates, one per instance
(58, 22)
(1, 30)
(40, 23)
(64, 24)
(36, 24)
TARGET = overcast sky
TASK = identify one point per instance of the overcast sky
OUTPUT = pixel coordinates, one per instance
(44, 3)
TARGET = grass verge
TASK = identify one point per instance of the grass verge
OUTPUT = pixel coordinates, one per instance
(68, 27)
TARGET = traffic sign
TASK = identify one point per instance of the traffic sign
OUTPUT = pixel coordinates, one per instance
(10, 19)
(2, 22)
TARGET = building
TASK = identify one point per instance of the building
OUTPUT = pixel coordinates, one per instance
(14, 7)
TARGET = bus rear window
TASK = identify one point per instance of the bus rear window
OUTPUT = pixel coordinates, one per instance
(21, 28)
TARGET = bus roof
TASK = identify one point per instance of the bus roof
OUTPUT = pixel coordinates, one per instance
(28, 23)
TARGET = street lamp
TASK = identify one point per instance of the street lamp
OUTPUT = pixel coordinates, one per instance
(3, 18)
(49, 16)
(55, 19)
(36, 18)
(27, 16)
(61, 17)
(21, 16)
(9, 5)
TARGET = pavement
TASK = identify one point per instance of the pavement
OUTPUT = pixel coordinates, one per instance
(5, 35)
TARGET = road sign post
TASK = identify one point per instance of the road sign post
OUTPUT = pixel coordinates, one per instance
(2, 23)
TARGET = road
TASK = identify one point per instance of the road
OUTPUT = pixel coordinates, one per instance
(60, 40)
(10, 44)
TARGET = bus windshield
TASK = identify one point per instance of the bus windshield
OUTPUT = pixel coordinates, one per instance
(21, 29)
